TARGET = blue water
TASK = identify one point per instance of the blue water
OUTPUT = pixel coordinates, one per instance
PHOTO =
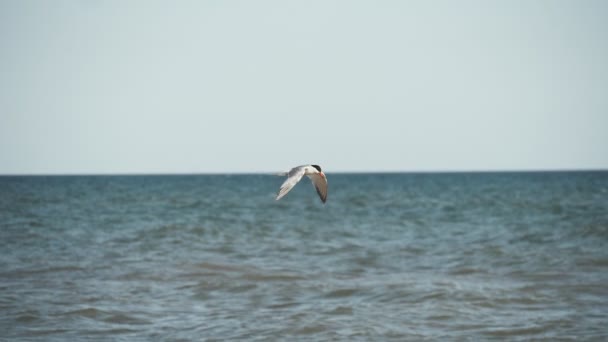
(473, 256)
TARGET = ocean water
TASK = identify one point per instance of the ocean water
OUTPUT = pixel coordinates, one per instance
(403, 257)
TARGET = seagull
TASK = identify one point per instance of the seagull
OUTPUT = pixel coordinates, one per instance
(294, 175)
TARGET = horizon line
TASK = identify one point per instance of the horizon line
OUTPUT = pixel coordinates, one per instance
(272, 173)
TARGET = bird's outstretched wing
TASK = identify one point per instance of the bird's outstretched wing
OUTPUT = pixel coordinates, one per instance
(293, 177)
(320, 184)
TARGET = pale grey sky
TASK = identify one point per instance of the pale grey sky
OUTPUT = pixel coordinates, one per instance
(254, 86)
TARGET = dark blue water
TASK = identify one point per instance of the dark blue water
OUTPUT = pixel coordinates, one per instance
(476, 256)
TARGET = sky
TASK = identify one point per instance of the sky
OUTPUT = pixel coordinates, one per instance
(106, 87)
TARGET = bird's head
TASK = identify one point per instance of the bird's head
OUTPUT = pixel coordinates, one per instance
(319, 170)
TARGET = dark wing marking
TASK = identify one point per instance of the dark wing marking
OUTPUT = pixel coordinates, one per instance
(320, 184)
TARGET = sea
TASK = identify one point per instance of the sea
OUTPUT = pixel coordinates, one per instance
(484, 256)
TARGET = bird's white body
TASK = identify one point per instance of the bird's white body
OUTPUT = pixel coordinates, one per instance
(313, 172)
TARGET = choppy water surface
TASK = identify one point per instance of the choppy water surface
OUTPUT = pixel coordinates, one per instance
(390, 257)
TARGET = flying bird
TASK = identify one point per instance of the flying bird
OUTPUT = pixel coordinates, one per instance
(313, 172)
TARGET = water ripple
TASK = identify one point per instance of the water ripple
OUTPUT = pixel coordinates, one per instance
(396, 257)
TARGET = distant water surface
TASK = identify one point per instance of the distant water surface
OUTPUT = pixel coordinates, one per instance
(473, 256)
